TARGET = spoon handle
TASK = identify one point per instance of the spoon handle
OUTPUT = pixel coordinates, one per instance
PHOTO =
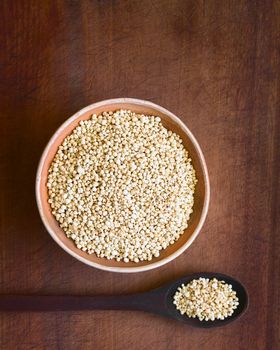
(145, 301)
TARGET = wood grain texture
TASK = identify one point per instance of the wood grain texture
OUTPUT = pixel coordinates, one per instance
(216, 65)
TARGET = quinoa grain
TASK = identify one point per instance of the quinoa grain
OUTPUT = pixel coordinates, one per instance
(122, 186)
(206, 299)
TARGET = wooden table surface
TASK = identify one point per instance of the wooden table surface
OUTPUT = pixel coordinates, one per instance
(213, 63)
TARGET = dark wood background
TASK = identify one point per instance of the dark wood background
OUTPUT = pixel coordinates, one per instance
(213, 63)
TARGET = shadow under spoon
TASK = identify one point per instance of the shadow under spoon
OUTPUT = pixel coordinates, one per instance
(158, 301)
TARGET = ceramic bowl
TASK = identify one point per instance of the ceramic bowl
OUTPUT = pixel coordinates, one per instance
(201, 197)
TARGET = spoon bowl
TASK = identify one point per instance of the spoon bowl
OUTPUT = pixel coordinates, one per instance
(158, 301)
(237, 286)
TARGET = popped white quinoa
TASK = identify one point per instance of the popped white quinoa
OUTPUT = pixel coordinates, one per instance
(122, 186)
(206, 299)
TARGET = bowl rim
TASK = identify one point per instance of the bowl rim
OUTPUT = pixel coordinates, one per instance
(204, 171)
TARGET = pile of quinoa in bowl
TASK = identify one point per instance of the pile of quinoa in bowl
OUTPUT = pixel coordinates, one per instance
(121, 186)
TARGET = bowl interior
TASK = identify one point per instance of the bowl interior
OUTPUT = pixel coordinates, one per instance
(170, 122)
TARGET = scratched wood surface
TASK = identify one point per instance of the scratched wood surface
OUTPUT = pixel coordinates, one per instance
(213, 63)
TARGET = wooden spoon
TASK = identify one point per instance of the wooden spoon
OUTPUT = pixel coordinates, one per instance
(159, 301)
